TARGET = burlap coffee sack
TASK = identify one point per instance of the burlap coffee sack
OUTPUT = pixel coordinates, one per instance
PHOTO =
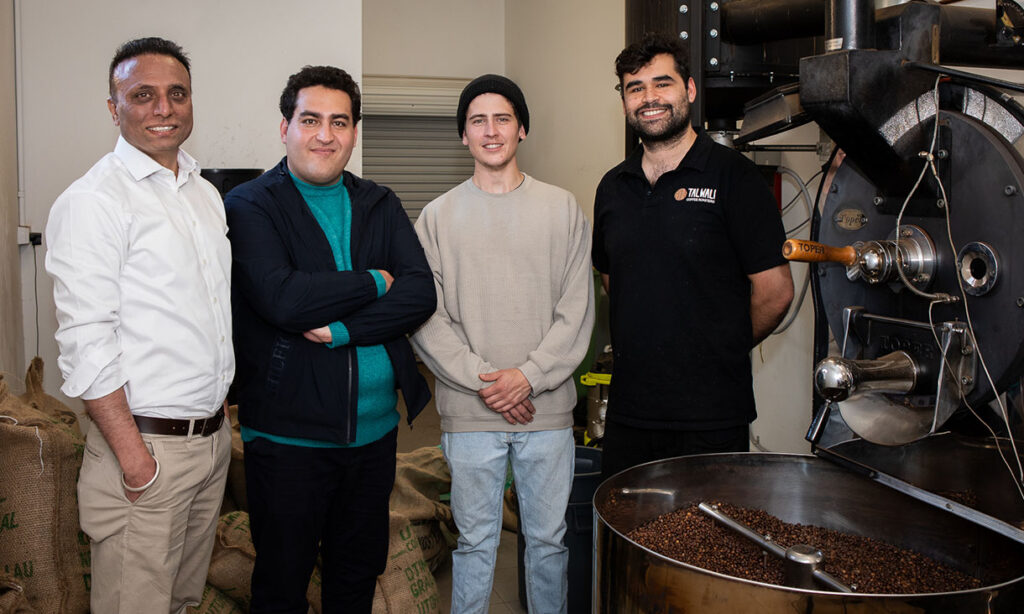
(216, 602)
(37, 398)
(233, 559)
(421, 477)
(41, 545)
(407, 585)
(432, 541)
(13, 599)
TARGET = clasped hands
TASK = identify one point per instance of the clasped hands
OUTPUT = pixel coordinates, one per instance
(508, 395)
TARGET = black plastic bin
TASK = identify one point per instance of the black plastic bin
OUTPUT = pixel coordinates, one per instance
(579, 530)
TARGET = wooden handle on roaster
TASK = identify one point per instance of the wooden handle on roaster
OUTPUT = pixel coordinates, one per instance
(812, 251)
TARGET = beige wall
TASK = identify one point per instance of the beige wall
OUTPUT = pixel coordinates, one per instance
(441, 38)
(242, 53)
(562, 54)
(12, 360)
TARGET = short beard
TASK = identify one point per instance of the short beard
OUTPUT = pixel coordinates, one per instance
(676, 126)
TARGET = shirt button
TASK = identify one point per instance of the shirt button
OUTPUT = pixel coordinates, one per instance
(222, 338)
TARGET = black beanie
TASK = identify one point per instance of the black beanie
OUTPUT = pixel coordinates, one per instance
(493, 84)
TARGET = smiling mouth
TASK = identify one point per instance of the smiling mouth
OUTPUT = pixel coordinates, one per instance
(492, 146)
(161, 129)
(652, 112)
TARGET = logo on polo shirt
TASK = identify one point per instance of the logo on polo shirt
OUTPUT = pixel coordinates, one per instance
(697, 195)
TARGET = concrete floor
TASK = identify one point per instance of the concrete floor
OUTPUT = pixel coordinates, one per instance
(426, 431)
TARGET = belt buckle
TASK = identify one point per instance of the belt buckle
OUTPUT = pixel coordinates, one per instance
(191, 428)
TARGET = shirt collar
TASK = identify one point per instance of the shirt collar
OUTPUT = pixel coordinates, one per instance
(696, 158)
(140, 165)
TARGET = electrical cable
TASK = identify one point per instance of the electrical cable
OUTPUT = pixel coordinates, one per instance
(795, 310)
(929, 157)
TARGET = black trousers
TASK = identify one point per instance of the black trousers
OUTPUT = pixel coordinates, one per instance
(327, 501)
(626, 446)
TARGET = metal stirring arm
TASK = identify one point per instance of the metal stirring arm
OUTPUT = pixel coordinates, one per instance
(802, 562)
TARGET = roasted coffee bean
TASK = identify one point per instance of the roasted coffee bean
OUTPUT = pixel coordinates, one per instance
(689, 536)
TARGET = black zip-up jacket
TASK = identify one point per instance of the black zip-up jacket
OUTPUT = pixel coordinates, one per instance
(285, 281)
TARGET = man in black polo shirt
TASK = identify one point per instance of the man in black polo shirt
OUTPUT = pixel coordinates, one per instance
(688, 240)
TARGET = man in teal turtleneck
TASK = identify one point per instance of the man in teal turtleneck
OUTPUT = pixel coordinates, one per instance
(328, 278)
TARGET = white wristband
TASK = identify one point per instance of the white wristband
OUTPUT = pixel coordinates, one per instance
(147, 484)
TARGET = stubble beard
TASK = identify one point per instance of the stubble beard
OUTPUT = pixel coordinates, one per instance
(673, 130)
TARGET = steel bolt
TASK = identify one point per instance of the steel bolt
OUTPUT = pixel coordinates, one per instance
(967, 350)
(878, 201)
(1020, 301)
(906, 233)
(684, 9)
(714, 7)
(941, 203)
(713, 61)
(684, 35)
(1010, 190)
(942, 154)
(967, 380)
(713, 33)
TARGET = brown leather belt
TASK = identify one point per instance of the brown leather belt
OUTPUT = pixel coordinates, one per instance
(167, 426)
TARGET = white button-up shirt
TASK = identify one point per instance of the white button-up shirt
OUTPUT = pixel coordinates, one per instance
(141, 265)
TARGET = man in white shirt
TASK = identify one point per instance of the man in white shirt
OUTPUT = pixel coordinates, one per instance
(138, 252)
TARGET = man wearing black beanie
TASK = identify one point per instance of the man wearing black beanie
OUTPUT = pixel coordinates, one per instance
(510, 257)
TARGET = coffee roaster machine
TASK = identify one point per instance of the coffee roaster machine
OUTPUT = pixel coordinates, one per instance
(917, 252)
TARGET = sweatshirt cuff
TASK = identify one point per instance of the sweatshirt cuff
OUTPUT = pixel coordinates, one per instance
(533, 375)
(378, 279)
(339, 335)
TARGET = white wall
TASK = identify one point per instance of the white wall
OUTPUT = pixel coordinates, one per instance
(440, 38)
(562, 55)
(242, 53)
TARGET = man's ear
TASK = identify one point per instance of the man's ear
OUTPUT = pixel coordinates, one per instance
(112, 107)
(284, 129)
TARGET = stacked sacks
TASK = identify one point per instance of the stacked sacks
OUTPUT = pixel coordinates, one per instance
(421, 477)
(215, 602)
(42, 548)
(407, 584)
(233, 559)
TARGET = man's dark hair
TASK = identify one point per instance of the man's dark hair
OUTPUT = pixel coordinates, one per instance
(640, 53)
(326, 76)
(142, 46)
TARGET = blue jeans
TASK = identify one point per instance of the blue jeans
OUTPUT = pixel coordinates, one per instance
(542, 464)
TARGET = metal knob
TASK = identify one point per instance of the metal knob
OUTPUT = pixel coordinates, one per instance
(837, 379)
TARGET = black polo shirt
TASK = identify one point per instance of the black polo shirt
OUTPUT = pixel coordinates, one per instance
(678, 255)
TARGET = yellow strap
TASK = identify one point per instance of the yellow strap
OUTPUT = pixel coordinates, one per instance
(593, 379)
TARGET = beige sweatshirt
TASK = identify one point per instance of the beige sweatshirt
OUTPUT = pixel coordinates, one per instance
(514, 289)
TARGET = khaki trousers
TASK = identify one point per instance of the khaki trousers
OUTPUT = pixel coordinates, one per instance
(153, 555)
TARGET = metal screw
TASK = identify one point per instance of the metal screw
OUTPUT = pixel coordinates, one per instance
(967, 380)
(879, 201)
(941, 203)
(833, 188)
(713, 61)
(942, 154)
(906, 232)
(684, 9)
(1020, 301)
(1010, 190)
(684, 35)
(714, 7)
(713, 33)
(967, 350)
